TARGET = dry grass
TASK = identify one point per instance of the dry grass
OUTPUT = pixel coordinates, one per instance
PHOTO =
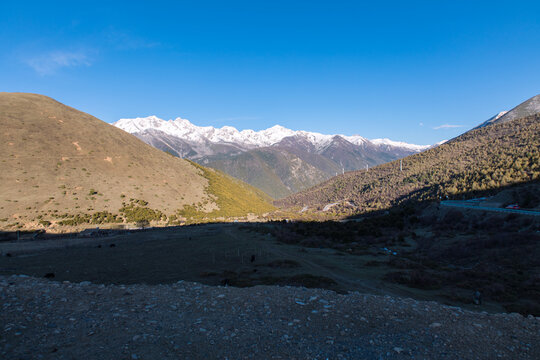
(57, 160)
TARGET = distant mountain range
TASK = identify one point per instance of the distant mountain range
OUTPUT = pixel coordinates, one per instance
(277, 160)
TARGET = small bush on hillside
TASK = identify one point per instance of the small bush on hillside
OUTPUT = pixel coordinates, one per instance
(137, 211)
(143, 223)
(45, 223)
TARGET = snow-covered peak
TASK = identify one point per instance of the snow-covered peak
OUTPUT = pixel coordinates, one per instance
(400, 144)
(185, 130)
(140, 124)
(492, 119)
(439, 143)
(499, 115)
(182, 123)
(356, 139)
(277, 128)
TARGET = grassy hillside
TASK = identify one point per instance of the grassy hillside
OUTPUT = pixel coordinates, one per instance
(477, 161)
(62, 166)
(234, 198)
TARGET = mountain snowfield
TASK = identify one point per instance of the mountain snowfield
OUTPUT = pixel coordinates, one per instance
(246, 139)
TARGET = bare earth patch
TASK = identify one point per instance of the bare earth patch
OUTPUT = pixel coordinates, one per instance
(46, 319)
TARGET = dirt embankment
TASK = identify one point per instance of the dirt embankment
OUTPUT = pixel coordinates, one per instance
(52, 320)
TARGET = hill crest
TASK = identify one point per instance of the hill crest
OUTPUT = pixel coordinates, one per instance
(58, 160)
(248, 139)
(480, 160)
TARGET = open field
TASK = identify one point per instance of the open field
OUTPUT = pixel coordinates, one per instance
(214, 254)
(431, 255)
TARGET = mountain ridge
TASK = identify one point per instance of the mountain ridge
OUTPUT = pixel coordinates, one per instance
(530, 106)
(183, 128)
(479, 160)
(278, 160)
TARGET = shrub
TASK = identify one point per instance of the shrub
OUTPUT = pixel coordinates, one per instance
(45, 223)
(143, 223)
(136, 211)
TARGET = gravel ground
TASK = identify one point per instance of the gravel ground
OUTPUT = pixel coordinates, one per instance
(43, 319)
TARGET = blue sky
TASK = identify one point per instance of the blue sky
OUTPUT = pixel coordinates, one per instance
(416, 71)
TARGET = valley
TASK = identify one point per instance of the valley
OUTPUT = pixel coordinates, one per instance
(429, 252)
(476, 163)
(426, 227)
(277, 160)
(356, 180)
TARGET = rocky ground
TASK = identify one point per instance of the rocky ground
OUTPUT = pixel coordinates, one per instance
(42, 319)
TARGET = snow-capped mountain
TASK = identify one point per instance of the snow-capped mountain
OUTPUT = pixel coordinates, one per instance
(277, 160)
(187, 131)
(400, 144)
(247, 139)
(527, 108)
(492, 119)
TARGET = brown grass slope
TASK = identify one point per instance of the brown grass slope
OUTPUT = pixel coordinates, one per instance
(57, 160)
(477, 161)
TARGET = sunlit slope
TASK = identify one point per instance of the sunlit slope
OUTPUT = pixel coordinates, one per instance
(57, 160)
(486, 158)
(277, 172)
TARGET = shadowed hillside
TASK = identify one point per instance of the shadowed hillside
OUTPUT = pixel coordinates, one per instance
(477, 161)
(62, 166)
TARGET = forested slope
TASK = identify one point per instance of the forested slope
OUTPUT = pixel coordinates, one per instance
(487, 158)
